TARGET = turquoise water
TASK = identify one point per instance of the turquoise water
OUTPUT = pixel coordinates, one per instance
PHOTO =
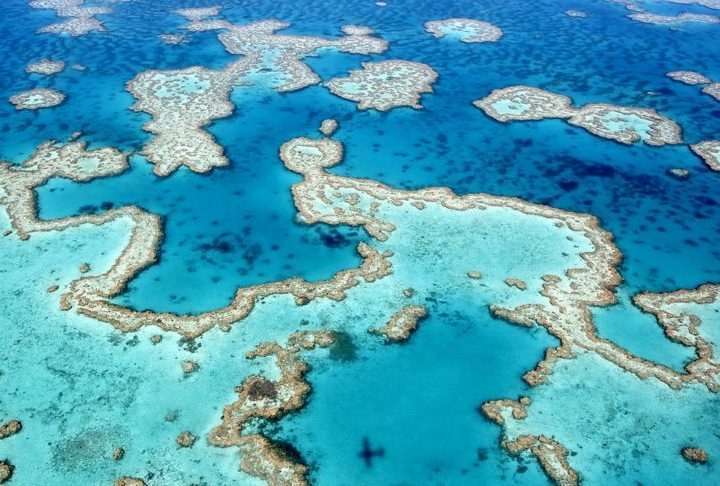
(82, 388)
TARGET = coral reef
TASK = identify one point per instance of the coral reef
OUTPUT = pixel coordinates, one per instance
(694, 455)
(129, 481)
(35, 99)
(331, 199)
(465, 30)
(46, 67)
(688, 77)
(80, 19)
(385, 85)
(685, 328)
(551, 455)
(524, 103)
(622, 124)
(281, 54)
(651, 18)
(693, 78)
(402, 323)
(182, 102)
(9, 428)
(185, 439)
(189, 367)
(709, 152)
(261, 398)
(516, 282)
(713, 90)
(6, 471)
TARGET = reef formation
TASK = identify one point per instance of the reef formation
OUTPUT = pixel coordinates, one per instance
(182, 102)
(46, 67)
(465, 30)
(385, 85)
(80, 19)
(322, 197)
(622, 124)
(37, 98)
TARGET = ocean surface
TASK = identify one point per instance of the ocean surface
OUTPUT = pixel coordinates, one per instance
(81, 388)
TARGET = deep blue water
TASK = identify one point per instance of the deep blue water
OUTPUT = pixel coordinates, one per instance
(236, 226)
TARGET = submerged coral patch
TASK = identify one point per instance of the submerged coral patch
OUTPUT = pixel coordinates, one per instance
(575, 13)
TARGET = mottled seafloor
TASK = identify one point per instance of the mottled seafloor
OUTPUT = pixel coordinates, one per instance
(82, 388)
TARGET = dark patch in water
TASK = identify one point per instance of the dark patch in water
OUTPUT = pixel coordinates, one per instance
(664, 91)
(189, 345)
(252, 253)
(87, 209)
(482, 454)
(594, 170)
(333, 238)
(568, 185)
(343, 349)
(706, 201)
